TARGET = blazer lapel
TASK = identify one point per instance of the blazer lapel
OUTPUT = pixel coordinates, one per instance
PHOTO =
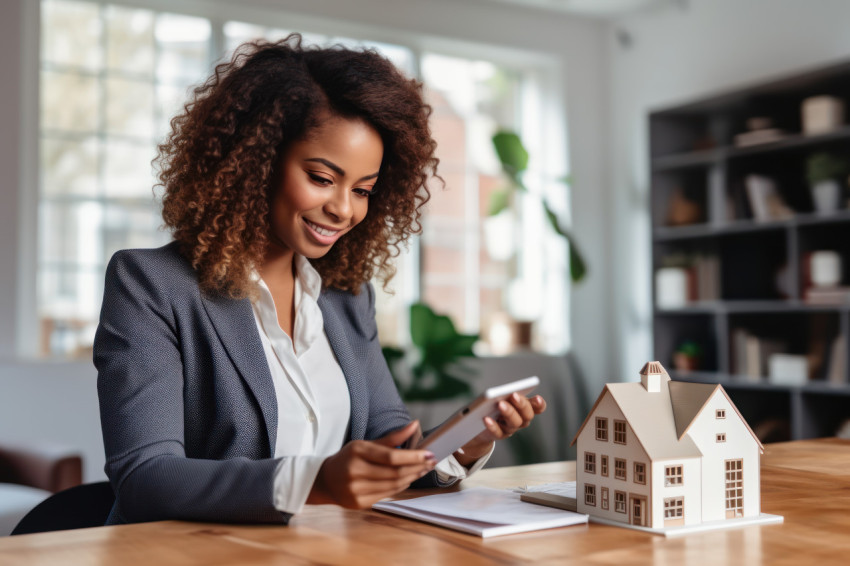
(236, 328)
(348, 361)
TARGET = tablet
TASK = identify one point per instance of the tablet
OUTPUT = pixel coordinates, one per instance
(468, 422)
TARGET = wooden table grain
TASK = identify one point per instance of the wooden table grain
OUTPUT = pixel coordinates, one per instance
(808, 482)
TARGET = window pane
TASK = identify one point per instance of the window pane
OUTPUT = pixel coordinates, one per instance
(237, 33)
(130, 108)
(69, 102)
(127, 227)
(69, 167)
(69, 233)
(471, 100)
(169, 103)
(112, 77)
(127, 170)
(79, 43)
(183, 44)
(130, 40)
(66, 297)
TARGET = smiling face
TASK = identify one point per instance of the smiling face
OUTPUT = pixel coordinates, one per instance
(324, 185)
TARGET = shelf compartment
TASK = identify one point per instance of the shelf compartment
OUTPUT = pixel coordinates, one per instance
(825, 413)
(754, 338)
(673, 332)
(751, 264)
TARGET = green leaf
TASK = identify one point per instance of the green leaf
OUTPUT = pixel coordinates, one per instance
(511, 153)
(499, 201)
(578, 267)
(421, 322)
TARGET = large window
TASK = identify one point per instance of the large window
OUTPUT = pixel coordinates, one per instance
(113, 76)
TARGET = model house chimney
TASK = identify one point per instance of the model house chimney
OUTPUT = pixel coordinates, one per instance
(650, 376)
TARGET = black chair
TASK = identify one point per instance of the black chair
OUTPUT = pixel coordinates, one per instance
(85, 505)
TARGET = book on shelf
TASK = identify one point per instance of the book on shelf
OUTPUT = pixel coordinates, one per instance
(482, 511)
(758, 137)
(765, 202)
(751, 354)
(833, 295)
(836, 369)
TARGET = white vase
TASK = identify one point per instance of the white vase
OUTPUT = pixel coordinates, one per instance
(826, 196)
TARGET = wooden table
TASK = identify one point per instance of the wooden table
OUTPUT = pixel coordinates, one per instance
(807, 482)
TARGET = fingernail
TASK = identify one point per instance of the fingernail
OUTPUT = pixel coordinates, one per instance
(430, 456)
(516, 397)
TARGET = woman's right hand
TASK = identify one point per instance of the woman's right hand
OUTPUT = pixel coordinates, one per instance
(366, 471)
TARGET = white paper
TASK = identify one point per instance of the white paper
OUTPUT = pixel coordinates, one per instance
(483, 511)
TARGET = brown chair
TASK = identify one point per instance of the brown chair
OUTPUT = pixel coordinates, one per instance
(51, 468)
(29, 474)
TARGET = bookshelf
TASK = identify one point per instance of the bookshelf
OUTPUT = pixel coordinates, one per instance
(750, 317)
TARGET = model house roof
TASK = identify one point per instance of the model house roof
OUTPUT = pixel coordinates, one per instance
(660, 419)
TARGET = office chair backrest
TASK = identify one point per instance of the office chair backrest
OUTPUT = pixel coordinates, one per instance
(86, 505)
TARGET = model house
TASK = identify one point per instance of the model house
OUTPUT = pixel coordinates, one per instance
(664, 453)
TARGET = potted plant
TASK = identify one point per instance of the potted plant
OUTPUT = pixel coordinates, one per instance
(687, 356)
(825, 173)
(431, 372)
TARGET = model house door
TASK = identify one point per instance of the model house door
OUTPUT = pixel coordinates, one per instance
(734, 488)
(638, 508)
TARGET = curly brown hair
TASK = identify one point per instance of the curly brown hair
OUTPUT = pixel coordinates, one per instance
(218, 164)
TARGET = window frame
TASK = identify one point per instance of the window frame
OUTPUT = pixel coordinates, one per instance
(639, 473)
(621, 465)
(620, 435)
(590, 494)
(602, 429)
(620, 502)
(590, 462)
(674, 475)
(676, 506)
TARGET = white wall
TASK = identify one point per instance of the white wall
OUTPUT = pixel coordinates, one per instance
(680, 55)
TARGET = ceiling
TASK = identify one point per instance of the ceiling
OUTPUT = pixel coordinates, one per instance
(607, 9)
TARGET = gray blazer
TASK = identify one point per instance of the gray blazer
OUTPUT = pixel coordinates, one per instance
(187, 404)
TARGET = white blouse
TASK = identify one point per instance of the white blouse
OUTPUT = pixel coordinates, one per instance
(313, 403)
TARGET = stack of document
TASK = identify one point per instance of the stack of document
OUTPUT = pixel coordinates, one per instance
(482, 511)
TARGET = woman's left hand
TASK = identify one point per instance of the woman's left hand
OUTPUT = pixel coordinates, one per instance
(514, 413)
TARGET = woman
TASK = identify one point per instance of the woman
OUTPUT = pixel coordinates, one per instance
(239, 370)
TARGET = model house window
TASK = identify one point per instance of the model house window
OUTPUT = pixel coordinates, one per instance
(619, 469)
(640, 473)
(590, 462)
(590, 495)
(734, 488)
(672, 475)
(603, 465)
(674, 508)
(113, 75)
(605, 498)
(720, 413)
(620, 432)
(602, 429)
(620, 501)
(721, 437)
